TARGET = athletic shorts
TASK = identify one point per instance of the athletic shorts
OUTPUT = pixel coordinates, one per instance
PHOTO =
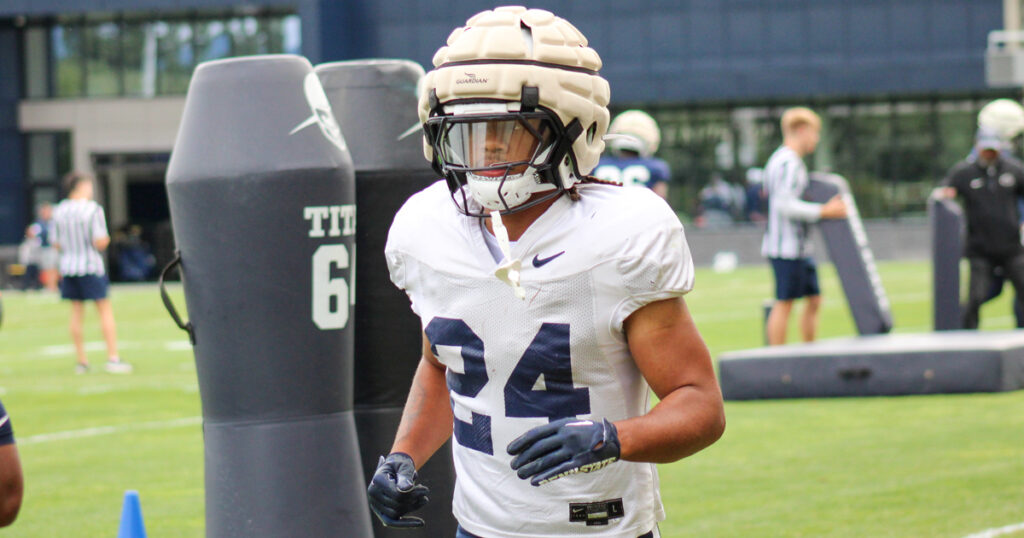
(795, 278)
(84, 287)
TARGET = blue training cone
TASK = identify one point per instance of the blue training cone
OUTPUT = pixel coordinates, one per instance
(131, 517)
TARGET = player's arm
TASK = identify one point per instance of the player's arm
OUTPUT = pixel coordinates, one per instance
(427, 418)
(426, 425)
(673, 358)
(101, 238)
(55, 237)
(947, 190)
(11, 484)
(11, 481)
(787, 200)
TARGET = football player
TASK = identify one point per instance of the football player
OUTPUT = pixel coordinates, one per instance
(633, 139)
(551, 303)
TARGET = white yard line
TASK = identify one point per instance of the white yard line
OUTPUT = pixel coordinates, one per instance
(69, 349)
(178, 345)
(998, 531)
(106, 389)
(63, 351)
(108, 430)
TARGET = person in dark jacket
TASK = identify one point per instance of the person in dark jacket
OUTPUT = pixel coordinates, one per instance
(988, 187)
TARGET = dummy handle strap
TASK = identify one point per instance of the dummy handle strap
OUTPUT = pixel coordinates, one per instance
(185, 326)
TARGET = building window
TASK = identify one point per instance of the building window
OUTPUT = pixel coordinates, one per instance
(176, 56)
(106, 55)
(48, 159)
(102, 59)
(68, 60)
(37, 52)
(49, 156)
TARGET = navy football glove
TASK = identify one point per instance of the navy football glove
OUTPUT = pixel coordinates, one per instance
(564, 447)
(393, 491)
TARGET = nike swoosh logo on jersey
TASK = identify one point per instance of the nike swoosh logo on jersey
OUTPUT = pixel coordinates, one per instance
(540, 262)
(4, 420)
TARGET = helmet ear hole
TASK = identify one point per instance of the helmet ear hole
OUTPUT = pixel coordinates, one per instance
(591, 132)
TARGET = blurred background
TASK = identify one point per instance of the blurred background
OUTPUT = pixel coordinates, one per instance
(99, 86)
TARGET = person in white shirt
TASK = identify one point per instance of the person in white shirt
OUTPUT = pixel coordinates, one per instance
(551, 304)
(80, 234)
(785, 241)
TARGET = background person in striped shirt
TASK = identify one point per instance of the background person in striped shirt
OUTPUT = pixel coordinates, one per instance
(785, 241)
(80, 233)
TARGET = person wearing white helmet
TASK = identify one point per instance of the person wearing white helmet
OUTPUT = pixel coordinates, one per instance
(551, 303)
(633, 139)
(1006, 118)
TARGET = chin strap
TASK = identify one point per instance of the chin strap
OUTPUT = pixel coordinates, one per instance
(508, 269)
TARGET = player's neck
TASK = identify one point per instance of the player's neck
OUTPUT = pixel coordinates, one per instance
(517, 222)
(794, 145)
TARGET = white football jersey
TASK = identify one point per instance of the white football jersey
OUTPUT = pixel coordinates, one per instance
(516, 364)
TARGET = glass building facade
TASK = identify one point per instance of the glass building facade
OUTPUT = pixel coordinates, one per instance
(143, 55)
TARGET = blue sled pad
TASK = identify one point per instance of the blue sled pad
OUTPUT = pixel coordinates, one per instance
(878, 365)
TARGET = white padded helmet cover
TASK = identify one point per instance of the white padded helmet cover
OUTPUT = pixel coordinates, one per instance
(1004, 116)
(639, 125)
(569, 86)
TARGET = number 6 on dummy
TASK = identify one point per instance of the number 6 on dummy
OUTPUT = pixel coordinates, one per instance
(333, 296)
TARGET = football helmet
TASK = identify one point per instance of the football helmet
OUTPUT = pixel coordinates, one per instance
(1004, 116)
(636, 131)
(513, 107)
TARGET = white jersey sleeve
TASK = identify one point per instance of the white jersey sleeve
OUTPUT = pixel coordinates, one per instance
(787, 189)
(788, 216)
(98, 226)
(406, 236)
(653, 259)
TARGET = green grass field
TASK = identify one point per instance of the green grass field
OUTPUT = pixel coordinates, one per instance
(907, 466)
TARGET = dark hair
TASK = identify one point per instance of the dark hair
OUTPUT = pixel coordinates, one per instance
(73, 179)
